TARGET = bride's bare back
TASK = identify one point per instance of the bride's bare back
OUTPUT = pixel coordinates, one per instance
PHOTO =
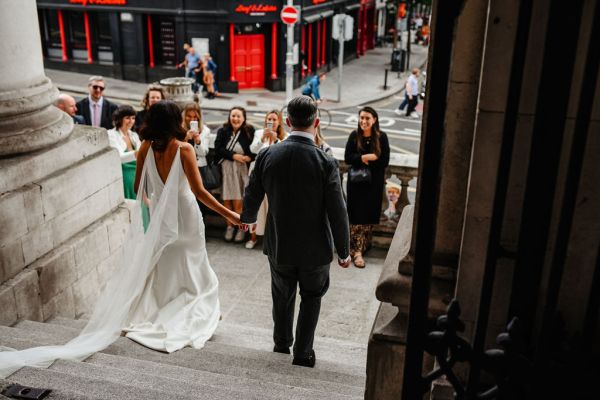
(164, 162)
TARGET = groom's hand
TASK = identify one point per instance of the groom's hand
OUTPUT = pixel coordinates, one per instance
(345, 262)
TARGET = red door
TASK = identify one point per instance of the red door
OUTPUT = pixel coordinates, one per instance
(249, 61)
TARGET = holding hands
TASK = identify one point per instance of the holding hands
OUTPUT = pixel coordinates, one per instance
(241, 158)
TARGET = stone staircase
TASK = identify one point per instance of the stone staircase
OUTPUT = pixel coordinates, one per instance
(237, 363)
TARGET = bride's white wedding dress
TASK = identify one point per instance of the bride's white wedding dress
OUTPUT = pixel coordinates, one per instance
(164, 294)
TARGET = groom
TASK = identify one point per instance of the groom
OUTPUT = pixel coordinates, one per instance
(306, 207)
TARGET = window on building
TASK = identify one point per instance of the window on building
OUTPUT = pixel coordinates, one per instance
(104, 38)
(77, 36)
(50, 33)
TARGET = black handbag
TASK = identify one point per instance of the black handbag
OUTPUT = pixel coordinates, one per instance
(211, 176)
(359, 174)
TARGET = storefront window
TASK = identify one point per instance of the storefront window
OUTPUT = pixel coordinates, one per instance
(51, 34)
(104, 39)
(77, 36)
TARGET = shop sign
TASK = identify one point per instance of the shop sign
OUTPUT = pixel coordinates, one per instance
(255, 9)
(99, 2)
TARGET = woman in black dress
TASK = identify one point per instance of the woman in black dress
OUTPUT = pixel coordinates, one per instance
(367, 147)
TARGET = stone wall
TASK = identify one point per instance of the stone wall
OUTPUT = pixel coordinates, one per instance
(62, 221)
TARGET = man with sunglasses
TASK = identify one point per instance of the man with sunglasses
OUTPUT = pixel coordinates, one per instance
(95, 109)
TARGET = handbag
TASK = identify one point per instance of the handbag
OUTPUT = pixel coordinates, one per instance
(360, 175)
(211, 176)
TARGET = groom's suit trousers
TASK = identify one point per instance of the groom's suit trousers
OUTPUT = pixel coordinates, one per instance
(313, 283)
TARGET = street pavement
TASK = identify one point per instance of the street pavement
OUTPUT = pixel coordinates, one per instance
(362, 82)
(362, 85)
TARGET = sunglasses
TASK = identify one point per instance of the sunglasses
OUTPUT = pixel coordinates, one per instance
(96, 87)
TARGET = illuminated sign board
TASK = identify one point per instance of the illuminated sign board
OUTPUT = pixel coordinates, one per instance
(99, 2)
(255, 9)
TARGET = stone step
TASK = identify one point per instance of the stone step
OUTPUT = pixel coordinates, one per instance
(53, 395)
(153, 380)
(73, 386)
(327, 349)
(266, 369)
(215, 358)
(183, 375)
(261, 353)
(339, 351)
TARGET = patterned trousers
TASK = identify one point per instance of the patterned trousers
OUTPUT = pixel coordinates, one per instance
(360, 238)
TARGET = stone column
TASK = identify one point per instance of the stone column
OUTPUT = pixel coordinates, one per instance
(62, 216)
(28, 120)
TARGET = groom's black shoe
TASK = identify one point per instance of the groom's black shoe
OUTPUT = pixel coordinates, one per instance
(306, 361)
(281, 349)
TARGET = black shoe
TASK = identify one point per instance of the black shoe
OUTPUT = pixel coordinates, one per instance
(306, 362)
(281, 349)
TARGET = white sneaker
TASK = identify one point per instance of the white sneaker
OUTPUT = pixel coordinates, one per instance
(229, 234)
(414, 114)
(250, 244)
(398, 111)
(240, 235)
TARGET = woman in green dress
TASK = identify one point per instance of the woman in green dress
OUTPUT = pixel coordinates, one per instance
(127, 142)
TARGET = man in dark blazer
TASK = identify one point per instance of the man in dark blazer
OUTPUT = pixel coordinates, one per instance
(306, 218)
(95, 109)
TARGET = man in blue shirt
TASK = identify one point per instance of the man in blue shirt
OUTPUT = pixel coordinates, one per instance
(191, 63)
(312, 87)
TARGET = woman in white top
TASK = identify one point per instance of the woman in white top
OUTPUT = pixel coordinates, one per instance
(272, 133)
(197, 135)
(127, 142)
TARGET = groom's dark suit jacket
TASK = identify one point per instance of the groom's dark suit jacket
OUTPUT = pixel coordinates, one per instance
(306, 205)
(108, 108)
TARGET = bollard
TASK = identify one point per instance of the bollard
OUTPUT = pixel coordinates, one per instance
(385, 80)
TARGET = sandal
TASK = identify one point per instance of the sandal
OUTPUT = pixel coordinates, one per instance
(359, 262)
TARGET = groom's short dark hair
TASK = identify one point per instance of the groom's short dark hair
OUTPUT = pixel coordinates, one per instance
(302, 112)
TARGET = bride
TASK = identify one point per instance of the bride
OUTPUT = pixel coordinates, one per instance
(164, 294)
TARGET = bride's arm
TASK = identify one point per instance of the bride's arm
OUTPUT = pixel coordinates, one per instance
(139, 165)
(190, 167)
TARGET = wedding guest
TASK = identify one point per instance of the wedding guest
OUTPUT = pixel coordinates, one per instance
(198, 138)
(232, 150)
(272, 133)
(96, 109)
(66, 103)
(368, 150)
(127, 142)
(320, 142)
(154, 94)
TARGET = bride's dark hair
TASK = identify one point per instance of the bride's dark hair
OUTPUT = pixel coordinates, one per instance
(161, 124)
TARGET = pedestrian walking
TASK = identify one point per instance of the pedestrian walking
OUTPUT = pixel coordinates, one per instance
(191, 64)
(211, 67)
(95, 109)
(368, 154)
(306, 218)
(312, 87)
(412, 90)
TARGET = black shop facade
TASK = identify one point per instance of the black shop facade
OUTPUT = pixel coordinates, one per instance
(142, 40)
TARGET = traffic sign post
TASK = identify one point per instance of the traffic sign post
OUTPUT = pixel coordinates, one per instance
(342, 30)
(289, 16)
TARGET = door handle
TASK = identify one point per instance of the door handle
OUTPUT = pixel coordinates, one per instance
(248, 68)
